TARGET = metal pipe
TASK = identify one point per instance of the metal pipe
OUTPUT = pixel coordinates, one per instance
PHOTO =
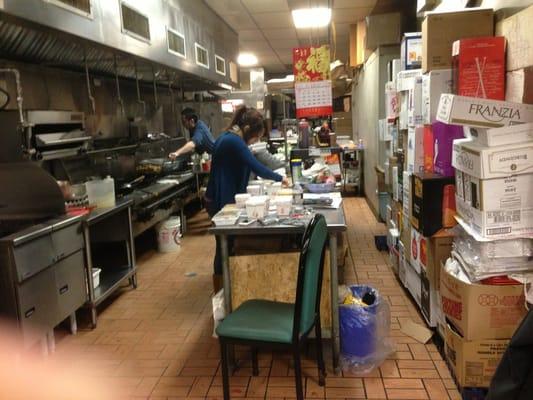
(88, 81)
(172, 105)
(139, 100)
(19, 91)
(117, 84)
(156, 103)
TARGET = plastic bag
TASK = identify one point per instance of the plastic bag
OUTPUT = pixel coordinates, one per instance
(219, 310)
(364, 331)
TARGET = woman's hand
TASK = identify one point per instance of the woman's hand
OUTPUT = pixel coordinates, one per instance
(285, 182)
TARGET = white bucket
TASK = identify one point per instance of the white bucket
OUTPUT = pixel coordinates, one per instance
(257, 207)
(168, 235)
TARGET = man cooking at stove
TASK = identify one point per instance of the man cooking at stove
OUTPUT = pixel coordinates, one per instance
(201, 138)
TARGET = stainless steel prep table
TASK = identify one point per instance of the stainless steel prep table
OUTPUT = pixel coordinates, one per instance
(109, 229)
(336, 223)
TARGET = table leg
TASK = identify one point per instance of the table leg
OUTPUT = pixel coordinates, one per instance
(334, 301)
(73, 323)
(224, 254)
(89, 269)
(51, 342)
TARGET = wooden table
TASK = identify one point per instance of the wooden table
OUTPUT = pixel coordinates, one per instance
(336, 223)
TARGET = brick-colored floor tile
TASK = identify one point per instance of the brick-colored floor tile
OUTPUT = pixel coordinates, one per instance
(389, 369)
(394, 383)
(374, 388)
(419, 351)
(419, 373)
(201, 386)
(436, 389)
(257, 386)
(345, 393)
(406, 394)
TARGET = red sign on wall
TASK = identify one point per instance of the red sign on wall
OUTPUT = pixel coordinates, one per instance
(312, 82)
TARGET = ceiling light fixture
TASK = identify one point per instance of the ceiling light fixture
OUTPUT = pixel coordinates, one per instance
(311, 17)
(247, 59)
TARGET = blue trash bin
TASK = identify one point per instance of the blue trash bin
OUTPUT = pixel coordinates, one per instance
(358, 325)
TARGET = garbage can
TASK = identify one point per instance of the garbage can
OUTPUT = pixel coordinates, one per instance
(358, 324)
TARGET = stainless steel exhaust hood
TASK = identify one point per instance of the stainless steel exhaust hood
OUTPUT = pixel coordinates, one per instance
(184, 39)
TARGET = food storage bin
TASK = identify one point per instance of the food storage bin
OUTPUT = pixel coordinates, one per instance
(101, 192)
(241, 198)
(283, 205)
(257, 207)
(255, 190)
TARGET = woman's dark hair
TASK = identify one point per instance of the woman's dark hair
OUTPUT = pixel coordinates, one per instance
(250, 121)
(188, 113)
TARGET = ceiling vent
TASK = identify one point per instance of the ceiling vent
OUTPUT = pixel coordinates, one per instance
(82, 7)
(176, 43)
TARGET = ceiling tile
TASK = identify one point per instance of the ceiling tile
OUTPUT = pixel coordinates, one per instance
(353, 3)
(240, 21)
(274, 20)
(286, 57)
(342, 29)
(255, 45)
(284, 43)
(350, 15)
(226, 7)
(280, 33)
(250, 34)
(295, 4)
(263, 6)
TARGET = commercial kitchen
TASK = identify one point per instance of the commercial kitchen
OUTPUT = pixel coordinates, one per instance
(319, 199)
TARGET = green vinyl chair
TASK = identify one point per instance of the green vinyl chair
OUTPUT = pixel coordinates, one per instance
(276, 325)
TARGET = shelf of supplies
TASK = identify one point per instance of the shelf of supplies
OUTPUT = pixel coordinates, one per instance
(110, 280)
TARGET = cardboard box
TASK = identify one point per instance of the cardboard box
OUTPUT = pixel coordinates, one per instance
(492, 162)
(516, 30)
(482, 113)
(406, 194)
(415, 149)
(383, 29)
(429, 149)
(519, 86)
(411, 50)
(415, 113)
(481, 311)
(403, 117)
(429, 253)
(358, 51)
(503, 136)
(402, 264)
(427, 192)
(392, 108)
(434, 83)
(413, 283)
(479, 67)
(473, 362)
(499, 194)
(406, 79)
(440, 30)
(428, 300)
(444, 135)
(501, 224)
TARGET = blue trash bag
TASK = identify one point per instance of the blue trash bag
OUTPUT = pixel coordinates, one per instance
(364, 331)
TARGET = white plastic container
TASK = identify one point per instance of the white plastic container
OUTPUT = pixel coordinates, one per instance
(241, 198)
(257, 207)
(101, 192)
(168, 235)
(274, 188)
(96, 277)
(283, 205)
(255, 190)
(259, 182)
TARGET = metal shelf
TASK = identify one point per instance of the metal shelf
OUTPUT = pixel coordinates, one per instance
(110, 280)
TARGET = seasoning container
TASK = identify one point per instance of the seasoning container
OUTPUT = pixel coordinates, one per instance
(296, 170)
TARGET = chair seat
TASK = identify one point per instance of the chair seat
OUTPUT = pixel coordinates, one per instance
(261, 320)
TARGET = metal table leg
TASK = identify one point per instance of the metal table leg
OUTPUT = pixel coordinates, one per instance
(224, 254)
(89, 274)
(51, 342)
(73, 323)
(334, 301)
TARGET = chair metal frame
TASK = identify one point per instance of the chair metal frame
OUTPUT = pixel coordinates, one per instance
(298, 338)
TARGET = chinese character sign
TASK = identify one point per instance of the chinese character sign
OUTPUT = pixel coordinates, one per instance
(312, 82)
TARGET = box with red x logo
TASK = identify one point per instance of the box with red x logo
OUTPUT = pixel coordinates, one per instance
(478, 66)
(480, 311)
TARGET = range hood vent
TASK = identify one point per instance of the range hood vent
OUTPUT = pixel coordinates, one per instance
(134, 23)
(80, 6)
(176, 43)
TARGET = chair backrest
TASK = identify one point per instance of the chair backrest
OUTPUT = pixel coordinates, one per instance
(310, 271)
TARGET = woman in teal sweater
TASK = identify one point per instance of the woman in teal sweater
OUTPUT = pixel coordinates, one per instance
(231, 166)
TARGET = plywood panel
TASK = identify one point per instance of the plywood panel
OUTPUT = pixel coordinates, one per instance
(273, 277)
